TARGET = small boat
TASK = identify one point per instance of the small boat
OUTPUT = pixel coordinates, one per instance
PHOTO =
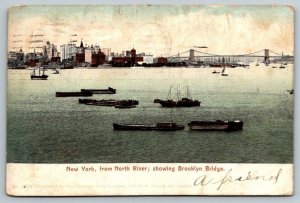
(73, 94)
(291, 91)
(217, 125)
(257, 64)
(109, 90)
(215, 72)
(40, 76)
(281, 66)
(224, 72)
(274, 66)
(158, 127)
(56, 71)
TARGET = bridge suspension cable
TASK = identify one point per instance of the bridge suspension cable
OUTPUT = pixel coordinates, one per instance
(274, 52)
(232, 55)
(220, 55)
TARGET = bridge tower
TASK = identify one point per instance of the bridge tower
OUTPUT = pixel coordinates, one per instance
(267, 56)
(192, 55)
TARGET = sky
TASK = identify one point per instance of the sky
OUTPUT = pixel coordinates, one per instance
(159, 30)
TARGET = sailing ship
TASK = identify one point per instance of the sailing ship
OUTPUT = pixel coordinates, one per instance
(56, 71)
(282, 66)
(180, 102)
(224, 72)
(41, 74)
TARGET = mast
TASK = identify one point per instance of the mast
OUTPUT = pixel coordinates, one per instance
(169, 94)
(188, 94)
(178, 93)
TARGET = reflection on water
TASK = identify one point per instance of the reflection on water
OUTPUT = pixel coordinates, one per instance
(45, 129)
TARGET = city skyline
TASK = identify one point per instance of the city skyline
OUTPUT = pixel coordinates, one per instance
(156, 30)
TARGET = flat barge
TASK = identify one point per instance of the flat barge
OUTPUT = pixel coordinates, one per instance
(158, 127)
(74, 94)
(108, 102)
(217, 125)
(109, 90)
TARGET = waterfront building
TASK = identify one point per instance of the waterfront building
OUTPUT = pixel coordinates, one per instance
(68, 51)
(50, 50)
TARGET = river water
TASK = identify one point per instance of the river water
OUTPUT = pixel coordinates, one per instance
(45, 129)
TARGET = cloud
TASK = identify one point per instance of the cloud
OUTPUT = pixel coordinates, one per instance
(222, 32)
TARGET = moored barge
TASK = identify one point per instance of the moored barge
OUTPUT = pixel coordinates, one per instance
(107, 102)
(217, 125)
(109, 90)
(74, 94)
(158, 127)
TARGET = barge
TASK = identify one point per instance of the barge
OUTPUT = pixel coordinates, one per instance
(107, 102)
(158, 127)
(217, 125)
(74, 94)
(109, 90)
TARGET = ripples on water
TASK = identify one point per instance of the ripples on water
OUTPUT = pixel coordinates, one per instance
(46, 129)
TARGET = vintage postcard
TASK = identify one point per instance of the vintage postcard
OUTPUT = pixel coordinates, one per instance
(150, 100)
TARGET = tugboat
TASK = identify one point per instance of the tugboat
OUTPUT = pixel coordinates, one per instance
(158, 127)
(183, 102)
(217, 125)
(40, 76)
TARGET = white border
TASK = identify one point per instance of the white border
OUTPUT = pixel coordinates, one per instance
(7, 3)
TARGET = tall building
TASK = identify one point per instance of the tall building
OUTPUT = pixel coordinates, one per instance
(107, 52)
(50, 50)
(148, 59)
(88, 54)
(80, 57)
(68, 51)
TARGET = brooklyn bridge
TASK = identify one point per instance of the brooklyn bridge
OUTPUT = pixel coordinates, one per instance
(196, 56)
